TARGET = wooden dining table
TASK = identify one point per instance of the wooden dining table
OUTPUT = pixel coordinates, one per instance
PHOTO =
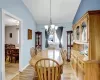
(52, 54)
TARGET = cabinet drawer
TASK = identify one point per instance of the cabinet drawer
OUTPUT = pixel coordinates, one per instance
(80, 63)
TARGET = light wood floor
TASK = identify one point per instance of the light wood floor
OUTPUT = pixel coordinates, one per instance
(28, 73)
(11, 69)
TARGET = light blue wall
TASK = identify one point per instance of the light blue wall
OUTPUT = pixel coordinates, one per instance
(67, 27)
(17, 8)
(86, 5)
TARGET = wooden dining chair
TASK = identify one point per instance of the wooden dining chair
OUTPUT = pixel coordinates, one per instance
(48, 69)
(32, 52)
(13, 46)
(64, 55)
(8, 54)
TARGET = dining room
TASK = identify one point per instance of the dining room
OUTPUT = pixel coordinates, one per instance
(49, 39)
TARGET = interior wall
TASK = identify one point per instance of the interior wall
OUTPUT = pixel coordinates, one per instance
(67, 27)
(85, 6)
(0, 45)
(14, 31)
(17, 8)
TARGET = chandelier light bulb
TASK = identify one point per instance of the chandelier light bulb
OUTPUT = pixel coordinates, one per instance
(56, 27)
(46, 27)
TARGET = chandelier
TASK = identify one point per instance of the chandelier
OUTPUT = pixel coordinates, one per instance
(50, 28)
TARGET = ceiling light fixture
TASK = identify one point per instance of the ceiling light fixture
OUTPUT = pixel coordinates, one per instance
(50, 26)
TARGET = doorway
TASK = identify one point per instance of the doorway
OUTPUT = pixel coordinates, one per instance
(11, 52)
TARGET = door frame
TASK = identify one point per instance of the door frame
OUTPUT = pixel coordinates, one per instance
(4, 12)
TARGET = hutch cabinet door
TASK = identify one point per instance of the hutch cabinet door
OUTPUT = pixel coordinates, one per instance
(74, 34)
(84, 30)
(77, 33)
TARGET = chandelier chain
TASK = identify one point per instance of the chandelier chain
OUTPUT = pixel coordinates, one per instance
(50, 13)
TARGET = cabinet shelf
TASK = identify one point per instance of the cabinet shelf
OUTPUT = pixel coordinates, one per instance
(78, 42)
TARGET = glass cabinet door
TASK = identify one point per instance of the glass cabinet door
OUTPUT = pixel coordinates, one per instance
(77, 33)
(38, 40)
(69, 44)
(84, 32)
(74, 34)
(72, 38)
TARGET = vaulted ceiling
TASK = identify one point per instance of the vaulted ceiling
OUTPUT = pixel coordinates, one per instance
(62, 11)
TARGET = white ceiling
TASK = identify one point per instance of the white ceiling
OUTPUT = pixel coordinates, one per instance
(62, 10)
(9, 21)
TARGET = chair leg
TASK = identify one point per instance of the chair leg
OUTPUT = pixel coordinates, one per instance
(5, 58)
(15, 59)
(9, 59)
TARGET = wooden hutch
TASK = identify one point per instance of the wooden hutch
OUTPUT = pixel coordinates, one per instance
(85, 54)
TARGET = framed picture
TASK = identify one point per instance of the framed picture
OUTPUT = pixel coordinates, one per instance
(10, 35)
(29, 34)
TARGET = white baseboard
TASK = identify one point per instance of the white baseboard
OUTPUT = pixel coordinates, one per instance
(24, 68)
(15, 75)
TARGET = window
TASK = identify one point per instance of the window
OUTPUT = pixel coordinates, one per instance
(50, 40)
(56, 39)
